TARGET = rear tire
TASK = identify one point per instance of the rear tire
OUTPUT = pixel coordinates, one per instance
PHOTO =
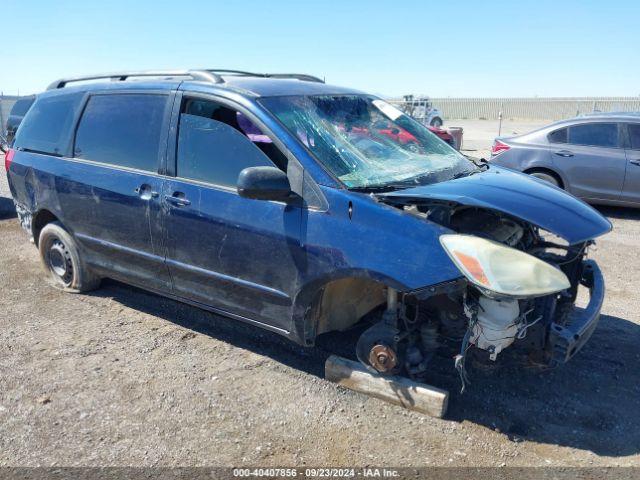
(436, 122)
(547, 177)
(60, 256)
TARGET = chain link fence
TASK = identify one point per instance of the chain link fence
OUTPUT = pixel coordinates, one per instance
(528, 108)
(485, 108)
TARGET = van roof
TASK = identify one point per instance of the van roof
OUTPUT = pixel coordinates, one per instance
(244, 83)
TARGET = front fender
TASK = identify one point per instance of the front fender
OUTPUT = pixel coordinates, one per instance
(359, 237)
(360, 233)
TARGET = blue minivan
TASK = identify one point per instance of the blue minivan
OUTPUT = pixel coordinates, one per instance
(282, 201)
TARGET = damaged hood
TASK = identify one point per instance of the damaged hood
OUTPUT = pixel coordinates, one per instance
(514, 194)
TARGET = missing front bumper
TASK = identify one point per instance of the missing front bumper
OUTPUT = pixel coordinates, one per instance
(566, 340)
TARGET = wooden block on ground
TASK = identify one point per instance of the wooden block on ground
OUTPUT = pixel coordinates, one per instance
(398, 390)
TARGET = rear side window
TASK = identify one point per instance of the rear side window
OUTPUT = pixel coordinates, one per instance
(46, 127)
(594, 134)
(122, 130)
(634, 135)
(558, 136)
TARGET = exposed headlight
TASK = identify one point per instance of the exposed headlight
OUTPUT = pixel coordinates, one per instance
(507, 271)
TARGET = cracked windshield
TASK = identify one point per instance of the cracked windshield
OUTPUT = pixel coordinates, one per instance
(368, 143)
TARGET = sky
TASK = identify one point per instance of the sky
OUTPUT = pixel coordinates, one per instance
(441, 49)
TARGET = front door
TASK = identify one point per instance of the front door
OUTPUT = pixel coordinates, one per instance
(110, 190)
(234, 254)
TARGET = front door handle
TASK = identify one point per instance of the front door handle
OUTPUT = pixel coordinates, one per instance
(564, 153)
(177, 199)
(635, 161)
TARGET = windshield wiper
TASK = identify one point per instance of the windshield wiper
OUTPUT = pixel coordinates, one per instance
(479, 162)
(385, 187)
(465, 174)
(481, 168)
(415, 181)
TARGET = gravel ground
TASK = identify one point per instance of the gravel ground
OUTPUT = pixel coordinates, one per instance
(122, 377)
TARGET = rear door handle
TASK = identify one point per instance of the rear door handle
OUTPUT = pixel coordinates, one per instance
(177, 199)
(635, 161)
(145, 192)
(564, 153)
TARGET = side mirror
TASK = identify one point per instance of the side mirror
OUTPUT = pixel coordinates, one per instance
(264, 183)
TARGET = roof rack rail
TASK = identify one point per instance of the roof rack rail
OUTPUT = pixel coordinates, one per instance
(206, 75)
(203, 75)
(299, 76)
(242, 73)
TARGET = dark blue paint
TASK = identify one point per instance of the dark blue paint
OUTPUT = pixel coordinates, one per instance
(243, 253)
(99, 204)
(264, 261)
(521, 196)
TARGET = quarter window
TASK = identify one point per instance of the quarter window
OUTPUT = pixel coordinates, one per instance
(634, 135)
(122, 129)
(215, 143)
(47, 124)
(558, 136)
(594, 134)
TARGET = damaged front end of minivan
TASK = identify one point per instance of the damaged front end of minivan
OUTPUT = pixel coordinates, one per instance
(521, 267)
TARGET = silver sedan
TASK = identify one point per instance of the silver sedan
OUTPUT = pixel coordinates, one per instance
(595, 157)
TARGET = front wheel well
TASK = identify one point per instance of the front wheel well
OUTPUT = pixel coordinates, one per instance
(548, 171)
(40, 219)
(339, 304)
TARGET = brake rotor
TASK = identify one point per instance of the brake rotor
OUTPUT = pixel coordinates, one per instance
(383, 358)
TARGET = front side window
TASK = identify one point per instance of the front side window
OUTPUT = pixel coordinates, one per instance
(47, 125)
(366, 142)
(122, 130)
(594, 134)
(215, 143)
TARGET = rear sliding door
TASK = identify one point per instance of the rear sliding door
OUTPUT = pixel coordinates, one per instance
(111, 186)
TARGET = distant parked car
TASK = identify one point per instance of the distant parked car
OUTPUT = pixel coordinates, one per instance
(405, 138)
(444, 135)
(598, 113)
(18, 111)
(594, 157)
